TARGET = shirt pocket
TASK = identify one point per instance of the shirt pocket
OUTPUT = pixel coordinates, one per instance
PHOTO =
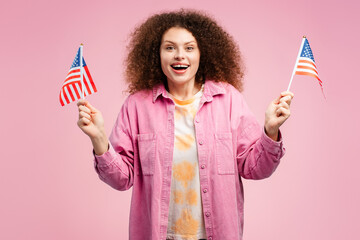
(224, 153)
(147, 152)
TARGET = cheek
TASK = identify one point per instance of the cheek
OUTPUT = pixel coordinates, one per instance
(164, 59)
(198, 61)
(164, 69)
(196, 58)
(164, 64)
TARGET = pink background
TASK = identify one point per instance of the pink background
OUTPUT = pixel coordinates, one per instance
(49, 189)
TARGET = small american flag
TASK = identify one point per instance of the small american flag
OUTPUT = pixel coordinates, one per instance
(72, 87)
(306, 63)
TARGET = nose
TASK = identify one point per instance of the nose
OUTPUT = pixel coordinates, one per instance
(179, 54)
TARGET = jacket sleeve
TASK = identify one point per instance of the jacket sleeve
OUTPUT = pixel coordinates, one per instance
(116, 166)
(257, 155)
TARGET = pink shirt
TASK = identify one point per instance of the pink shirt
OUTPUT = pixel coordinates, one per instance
(231, 144)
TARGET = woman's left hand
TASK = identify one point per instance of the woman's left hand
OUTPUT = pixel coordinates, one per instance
(277, 113)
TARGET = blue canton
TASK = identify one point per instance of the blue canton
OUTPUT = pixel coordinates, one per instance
(76, 62)
(306, 51)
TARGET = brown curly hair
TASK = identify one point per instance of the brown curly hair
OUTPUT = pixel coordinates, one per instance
(220, 58)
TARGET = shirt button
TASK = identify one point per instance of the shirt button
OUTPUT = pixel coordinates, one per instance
(205, 190)
(203, 166)
(210, 238)
(207, 214)
(201, 142)
(197, 120)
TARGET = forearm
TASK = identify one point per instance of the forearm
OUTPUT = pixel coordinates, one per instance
(100, 143)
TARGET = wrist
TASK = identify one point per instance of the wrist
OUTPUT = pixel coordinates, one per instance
(100, 143)
(272, 133)
(100, 136)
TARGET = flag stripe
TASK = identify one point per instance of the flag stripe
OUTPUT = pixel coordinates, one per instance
(76, 91)
(72, 77)
(60, 98)
(90, 78)
(71, 82)
(69, 93)
(72, 90)
(66, 97)
(306, 70)
(305, 67)
(63, 98)
(74, 70)
(87, 80)
(86, 88)
(308, 74)
(78, 87)
(86, 85)
(307, 61)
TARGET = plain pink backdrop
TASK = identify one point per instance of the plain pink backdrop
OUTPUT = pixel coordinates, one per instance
(49, 189)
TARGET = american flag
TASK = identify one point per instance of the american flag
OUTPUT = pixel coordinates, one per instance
(306, 63)
(72, 87)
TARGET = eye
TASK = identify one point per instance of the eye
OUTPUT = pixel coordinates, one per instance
(190, 48)
(169, 48)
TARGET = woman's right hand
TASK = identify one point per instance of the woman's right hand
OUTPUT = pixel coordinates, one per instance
(91, 123)
(90, 120)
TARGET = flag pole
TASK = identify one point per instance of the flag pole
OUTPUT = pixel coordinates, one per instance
(297, 59)
(81, 71)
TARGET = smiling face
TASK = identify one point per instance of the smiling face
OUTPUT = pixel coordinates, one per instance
(180, 57)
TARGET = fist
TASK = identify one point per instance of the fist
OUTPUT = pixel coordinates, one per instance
(277, 113)
(90, 120)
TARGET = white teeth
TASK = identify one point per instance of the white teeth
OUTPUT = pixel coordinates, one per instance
(179, 65)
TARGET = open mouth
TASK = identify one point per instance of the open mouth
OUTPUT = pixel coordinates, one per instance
(179, 67)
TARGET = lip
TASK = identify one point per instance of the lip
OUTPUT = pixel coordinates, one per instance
(179, 71)
(180, 63)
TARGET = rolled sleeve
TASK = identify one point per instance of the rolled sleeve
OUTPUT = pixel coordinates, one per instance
(271, 146)
(106, 158)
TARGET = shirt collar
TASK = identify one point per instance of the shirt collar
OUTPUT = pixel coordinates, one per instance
(211, 88)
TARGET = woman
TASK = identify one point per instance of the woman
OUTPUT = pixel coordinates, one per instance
(185, 135)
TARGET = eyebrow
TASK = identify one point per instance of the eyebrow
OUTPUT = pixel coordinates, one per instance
(175, 43)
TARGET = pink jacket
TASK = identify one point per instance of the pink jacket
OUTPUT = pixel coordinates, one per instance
(230, 142)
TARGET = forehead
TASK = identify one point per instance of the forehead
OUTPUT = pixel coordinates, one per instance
(178, 35)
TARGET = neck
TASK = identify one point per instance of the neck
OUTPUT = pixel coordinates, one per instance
(184, 91)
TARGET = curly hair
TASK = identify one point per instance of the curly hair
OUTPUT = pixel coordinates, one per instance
(220, 58)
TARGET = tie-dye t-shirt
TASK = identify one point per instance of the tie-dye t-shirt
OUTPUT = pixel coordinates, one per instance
(185, 212)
